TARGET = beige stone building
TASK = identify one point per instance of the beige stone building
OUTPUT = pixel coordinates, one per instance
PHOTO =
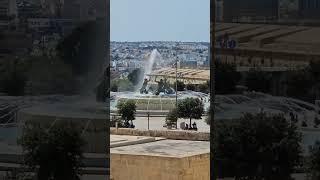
(188, 76)
(262, 45)
(149, 158)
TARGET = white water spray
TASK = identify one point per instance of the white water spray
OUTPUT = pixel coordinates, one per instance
(155, 55)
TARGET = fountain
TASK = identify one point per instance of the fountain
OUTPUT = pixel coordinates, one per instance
(88, 108)
(159, 98)
(233, 106)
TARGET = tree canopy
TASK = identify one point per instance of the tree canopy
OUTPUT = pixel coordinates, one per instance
(122, 85)
(172, 117)
(135, 76)
(54, 153)
(258, 81)
(84, 48)
(256, 146)
(180, 85)
(190, 108)
(299, 85)
(226, 77)
(313, 166)
(127, 109)
(191, 87)
(204, 88)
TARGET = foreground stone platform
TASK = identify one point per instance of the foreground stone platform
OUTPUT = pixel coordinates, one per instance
(119, 141)
(159, 159)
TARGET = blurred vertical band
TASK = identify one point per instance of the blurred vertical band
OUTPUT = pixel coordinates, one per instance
(107, 76)
(212, 83)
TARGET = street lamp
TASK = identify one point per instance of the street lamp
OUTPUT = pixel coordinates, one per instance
(176, 64)
(176, 83)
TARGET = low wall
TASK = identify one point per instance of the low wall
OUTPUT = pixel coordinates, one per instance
(169, 134)
(142, 167)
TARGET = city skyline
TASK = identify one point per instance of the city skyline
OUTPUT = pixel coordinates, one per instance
(179, 20)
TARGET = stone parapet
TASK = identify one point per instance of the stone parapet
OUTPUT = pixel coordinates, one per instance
(168, 134)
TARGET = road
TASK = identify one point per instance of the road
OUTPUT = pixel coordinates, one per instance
(156, 123)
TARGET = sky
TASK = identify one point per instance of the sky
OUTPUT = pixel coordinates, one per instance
(160, 20)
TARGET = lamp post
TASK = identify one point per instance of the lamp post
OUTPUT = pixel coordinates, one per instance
(176, 82)
(176, 58)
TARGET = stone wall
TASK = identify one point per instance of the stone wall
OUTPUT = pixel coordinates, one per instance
(169, 134)
(140, 167)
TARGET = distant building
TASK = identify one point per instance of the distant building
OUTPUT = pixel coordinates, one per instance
(250, 10)
(27, 9)
(48, 25)
(309, 9)
(206, 63)
(219, 10)
(8, 8)
(189, 64)
(188, 76)
(288, 10)
(81, 10)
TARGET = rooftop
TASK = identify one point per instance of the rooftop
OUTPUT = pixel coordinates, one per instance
(272, 37)
(183, 73)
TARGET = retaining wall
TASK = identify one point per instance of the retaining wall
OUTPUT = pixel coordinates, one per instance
(168, 134)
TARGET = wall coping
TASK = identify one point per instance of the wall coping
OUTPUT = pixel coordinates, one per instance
(168, 134)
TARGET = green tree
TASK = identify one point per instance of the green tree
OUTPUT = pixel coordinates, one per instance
(191, 87)
(204, 88)
(114, 86)
(316, 122)
(299, 85)
(180, 85)
(256, 146)
(226, 78)
(304, 124)
(50, 76)
(13, 77)
(102, 89)
(258, 81)
(127, 110)
(313, 162)
(190, 108)
(54, 153)
(14, 84)
(172, 117)
(84, 48)
(135, 76)
(124, 85)
(208, 119)
(314, 69)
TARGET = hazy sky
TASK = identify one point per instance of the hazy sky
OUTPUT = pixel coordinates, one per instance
(160, 20)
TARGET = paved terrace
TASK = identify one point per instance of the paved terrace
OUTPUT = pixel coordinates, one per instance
(160, 147)
(160, 159)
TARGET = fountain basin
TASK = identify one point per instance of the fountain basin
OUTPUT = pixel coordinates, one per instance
(91, 121)
(161, 103)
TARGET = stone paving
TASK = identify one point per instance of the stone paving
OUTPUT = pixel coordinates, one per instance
(162, 147)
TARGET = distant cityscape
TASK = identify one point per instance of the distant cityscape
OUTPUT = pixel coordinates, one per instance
(34, 27)
(128, 56)
(268, 11)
